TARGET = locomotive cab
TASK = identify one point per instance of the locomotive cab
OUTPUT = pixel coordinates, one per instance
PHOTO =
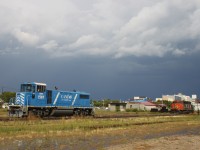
(31, 94)
(33, 88)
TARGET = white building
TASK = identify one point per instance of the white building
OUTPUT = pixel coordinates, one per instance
(196, 106)
(159, 99)
(179, 96)
(141, 105)
(170, 98)
(194, 96)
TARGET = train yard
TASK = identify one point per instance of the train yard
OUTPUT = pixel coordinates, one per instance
(100, 132)
(4, 117)
(54, 119)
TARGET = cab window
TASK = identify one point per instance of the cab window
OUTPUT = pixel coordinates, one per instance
(27, 88)
(41, 88)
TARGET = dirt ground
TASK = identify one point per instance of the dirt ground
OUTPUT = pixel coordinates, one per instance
(184, 142)
(163, 136)
(170, 136)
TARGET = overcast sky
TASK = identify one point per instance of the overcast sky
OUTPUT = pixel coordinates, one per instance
(113, 49)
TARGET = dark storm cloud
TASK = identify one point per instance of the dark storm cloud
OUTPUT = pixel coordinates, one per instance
(111, 48)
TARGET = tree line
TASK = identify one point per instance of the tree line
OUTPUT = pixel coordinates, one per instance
(6, 96)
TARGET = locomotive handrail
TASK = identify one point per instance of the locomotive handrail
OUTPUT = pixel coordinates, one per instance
(12, 101)
(27, 102)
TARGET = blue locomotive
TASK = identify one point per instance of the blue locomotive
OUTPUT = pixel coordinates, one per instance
(35, 99)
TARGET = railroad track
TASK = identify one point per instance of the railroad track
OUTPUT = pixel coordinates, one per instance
(95, 117)
(135, 115)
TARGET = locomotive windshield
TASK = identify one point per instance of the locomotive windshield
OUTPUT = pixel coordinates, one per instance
(27, 88)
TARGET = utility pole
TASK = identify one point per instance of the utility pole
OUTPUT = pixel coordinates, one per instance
(2, 97)
(197, 106)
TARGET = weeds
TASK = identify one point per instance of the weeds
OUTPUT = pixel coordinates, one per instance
(38, 127)
(60, 127)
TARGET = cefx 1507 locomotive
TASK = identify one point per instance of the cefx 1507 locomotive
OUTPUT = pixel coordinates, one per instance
(35, 99)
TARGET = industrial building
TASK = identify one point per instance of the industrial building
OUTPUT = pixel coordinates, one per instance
(145, 106)
(117, 106)
(178, 96)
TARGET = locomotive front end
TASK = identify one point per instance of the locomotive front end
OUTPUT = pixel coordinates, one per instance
(18, 106)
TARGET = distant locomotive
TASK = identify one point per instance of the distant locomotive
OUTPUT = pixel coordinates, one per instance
(182, 107)
(35, 99)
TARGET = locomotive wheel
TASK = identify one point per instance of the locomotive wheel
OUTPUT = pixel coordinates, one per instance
(76, 112)
(82, 113)
(91, 113)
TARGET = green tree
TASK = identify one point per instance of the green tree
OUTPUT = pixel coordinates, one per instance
(167, 103)
(6, 96)
(97, 103)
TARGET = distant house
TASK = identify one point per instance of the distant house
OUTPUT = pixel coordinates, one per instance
(132, 105)
(170, 98)
(5, 105)
(159, 99)
(138, 99)
(196, 105)
(141, 105)
(117, 106)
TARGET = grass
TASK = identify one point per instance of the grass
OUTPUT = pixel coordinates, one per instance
(109, 113)
(82, 125)
(90, 133)
(3, 112)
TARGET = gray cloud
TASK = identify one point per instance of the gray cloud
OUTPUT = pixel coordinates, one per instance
(109, 28)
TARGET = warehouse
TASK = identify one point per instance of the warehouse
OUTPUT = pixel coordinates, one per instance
(147, 106)
(141, 105)
(117, 106)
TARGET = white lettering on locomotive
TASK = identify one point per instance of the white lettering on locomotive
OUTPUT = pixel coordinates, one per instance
(40, 96)
(67, 97)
